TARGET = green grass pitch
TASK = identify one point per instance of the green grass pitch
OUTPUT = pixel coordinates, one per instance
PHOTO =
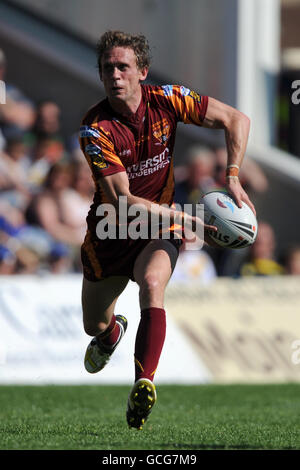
(184, 417)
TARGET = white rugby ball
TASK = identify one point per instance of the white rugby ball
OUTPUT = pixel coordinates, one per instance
(237, 227)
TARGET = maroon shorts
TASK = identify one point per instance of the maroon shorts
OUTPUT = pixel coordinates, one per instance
(104, 258)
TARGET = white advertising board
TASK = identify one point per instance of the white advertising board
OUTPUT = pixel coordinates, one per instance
(244, 330)
(42, 339)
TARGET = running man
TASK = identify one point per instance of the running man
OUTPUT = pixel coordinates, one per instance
(128, 140)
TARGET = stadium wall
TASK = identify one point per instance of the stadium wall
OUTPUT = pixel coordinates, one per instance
(245, 330)
(191, 56)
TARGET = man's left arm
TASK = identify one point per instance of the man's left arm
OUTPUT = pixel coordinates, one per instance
(236, 126)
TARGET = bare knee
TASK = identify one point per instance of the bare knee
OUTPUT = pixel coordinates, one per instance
(151, 291)
(150, 284)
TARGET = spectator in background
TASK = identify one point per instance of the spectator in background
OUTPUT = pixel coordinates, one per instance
(14, 164)
(17, 151)
(15, 256)
(48, 120)
(12, 215)
(49, 208)
(199, 176)
(18, 114)
(34, 183)
(262, 257)
(43, 157)
(47, 124)
(78, 198)
(46, 144)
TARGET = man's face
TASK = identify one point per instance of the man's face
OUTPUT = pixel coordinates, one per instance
(120, 75)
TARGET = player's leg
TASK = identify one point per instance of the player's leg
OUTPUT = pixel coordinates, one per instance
(152, 271)
(98, 303)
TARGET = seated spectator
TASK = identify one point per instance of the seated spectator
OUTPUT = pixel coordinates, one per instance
(48, 120)
(16, 258)
(45, 154)
(199, 176)
(11, 215)
(13, 226)
(17, 151)
(78, 198)
(14, 164)
(47, 127)
(262, 258)
(48, 209)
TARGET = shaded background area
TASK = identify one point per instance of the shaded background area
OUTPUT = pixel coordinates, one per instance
(249, 61)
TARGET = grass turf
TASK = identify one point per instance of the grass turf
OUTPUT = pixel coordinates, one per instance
(185, 417)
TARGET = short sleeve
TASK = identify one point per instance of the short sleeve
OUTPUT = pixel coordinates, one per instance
(190, 107)
(99, 151)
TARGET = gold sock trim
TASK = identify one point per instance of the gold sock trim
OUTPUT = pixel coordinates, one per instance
(137, 362)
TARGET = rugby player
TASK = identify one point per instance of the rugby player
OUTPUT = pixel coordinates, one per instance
(128, 140)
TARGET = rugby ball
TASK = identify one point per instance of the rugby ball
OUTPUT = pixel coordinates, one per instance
(237, 227)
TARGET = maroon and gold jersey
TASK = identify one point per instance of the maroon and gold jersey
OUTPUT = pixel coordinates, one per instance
(142, 146)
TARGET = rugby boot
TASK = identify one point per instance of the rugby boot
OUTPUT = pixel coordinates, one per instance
(97, 355)
(140, 403)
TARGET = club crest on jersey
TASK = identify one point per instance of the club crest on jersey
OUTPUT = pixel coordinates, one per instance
(161, 131)
(95, 152)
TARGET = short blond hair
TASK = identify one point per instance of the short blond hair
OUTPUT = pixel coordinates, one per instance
(137, 42)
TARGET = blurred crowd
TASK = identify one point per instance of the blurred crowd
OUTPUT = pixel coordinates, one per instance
(204, 171)
(46, 190)
(46, 187)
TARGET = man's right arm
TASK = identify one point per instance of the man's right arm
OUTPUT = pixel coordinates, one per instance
(117, 185)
